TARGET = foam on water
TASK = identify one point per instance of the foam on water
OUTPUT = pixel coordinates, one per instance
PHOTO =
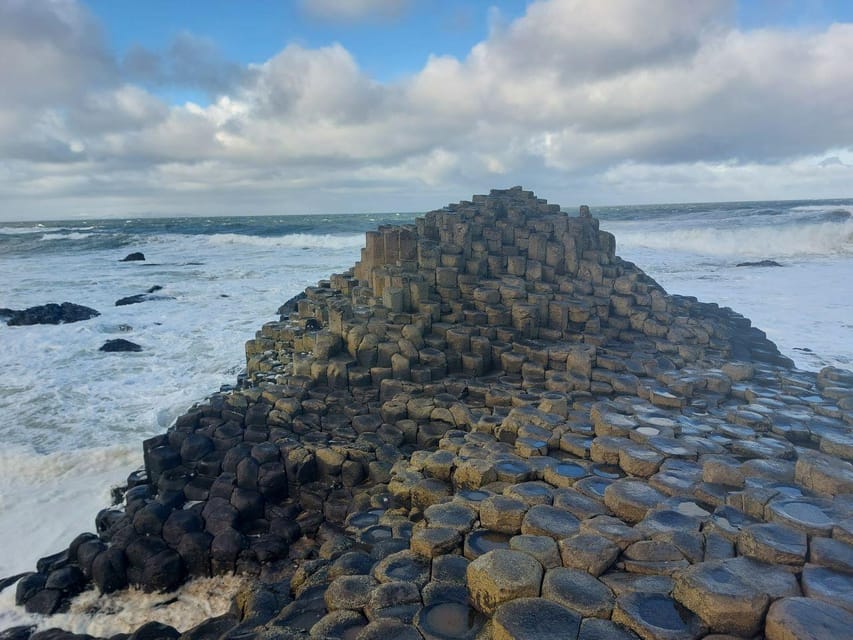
(123, 612)
(778, 241)
(47, 499)
(291, 241)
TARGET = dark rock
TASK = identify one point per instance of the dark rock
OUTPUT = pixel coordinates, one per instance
(195, 447)
(86, 554)
(8, 582)
(535, 618)
(211, 629)
(52, 314)
(69, 580)
(179, 523)
(759, 263)
(136, 256)
(155, 631)
(17, 633)
(194, 549)
(51, 562)
(28, 585)
(149, 519)
(75, 544)
(109, 570)
(119, 345)
(163, 572)
(290, 306)
(45, 602)
(140, 297)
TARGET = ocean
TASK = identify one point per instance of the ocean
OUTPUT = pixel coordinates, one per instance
(72, 418)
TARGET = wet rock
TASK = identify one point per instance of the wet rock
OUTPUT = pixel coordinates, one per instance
(543, 548)
(545, 520)
(773, 543)
(597, 629)
(727, 600)
(806, 619)
(831, 553)
(825, 584)
(529, 618)
(155, 631)
(445, 620)
(655, 616)
(588, 552)
(51, 314)
(500, 576)
(759, 263)
(578, 591)
(133, 257)
(631, 499)
(140, 298)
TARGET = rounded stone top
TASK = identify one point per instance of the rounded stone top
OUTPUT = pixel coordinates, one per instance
(502, 575)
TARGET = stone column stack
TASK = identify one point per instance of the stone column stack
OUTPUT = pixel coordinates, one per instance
(480, 279)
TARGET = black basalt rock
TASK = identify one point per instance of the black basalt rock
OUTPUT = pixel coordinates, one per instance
(136, 256)
(118, 345)
(51, 313)
(759, 263)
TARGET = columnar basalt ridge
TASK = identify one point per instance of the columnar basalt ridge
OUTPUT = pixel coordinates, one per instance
(492, 426)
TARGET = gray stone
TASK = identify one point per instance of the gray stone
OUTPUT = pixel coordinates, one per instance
(807, 619)
(578, 591)
(500, 576)
(588, 552)
(655, 616)
(534, 619)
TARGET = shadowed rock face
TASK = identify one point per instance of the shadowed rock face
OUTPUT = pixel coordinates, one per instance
(488, 390)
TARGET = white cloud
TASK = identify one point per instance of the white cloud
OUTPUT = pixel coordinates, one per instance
(617, 101)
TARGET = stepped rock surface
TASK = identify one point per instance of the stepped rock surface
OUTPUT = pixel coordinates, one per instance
(494, 427)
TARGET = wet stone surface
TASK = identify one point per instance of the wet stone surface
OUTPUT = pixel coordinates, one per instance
(494, 424)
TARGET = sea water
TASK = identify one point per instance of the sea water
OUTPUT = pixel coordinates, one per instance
(72, 418)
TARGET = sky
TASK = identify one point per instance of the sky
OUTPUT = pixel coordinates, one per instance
(251, 107)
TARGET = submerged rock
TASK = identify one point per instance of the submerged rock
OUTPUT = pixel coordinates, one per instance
(759, 263)
(136, 256)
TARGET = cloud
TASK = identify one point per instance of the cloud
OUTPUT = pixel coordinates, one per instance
(189, 61)
(354, 10)
(621, 101)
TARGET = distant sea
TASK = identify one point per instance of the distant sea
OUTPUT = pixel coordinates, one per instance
(72, 418)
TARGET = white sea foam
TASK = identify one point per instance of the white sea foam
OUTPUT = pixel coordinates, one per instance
(764, 241)
(46, 500)
(125, 611)
(72, 235)
(291, 241)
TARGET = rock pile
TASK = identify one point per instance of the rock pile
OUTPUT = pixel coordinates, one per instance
(494, 427)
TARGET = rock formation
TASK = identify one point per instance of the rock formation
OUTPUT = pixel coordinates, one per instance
(494, 427)
(51, 313)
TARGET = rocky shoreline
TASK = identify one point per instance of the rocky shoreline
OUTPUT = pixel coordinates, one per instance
(494, 427)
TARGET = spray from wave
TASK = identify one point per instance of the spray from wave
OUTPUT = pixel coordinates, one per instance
(784, 240)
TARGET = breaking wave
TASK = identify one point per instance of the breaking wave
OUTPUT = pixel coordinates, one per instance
(823, 238)
(291, 241)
